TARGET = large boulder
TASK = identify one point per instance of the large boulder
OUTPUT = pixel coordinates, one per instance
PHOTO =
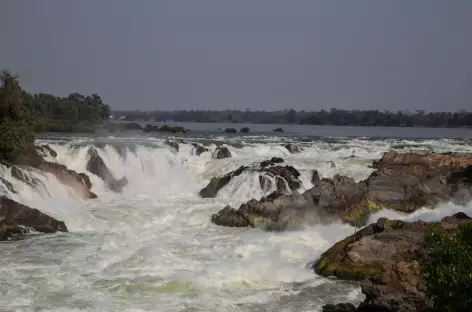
(45, 150)
(16, 218)
(97, 166)
(394, 159)
(385, 256)
(222, 152)
(284, 177)
(172, 144)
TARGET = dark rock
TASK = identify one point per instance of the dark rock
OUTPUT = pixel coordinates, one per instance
(331, 164)
(199, 149)
(430, 160)
(292, 148)
(283, 175)
(231, 130)
(217, 183)
(14, 216)
(164, 128)
(278, 130)
(97, 166)
(340, 307)
(271, 162)
(315, 177)
(229, 217)
(222, 152)
(173, 145)
(244, 130)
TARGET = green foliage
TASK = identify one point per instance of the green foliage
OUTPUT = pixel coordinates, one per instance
(122, 127)
(334, 117)
(17, 127)
(447, 269)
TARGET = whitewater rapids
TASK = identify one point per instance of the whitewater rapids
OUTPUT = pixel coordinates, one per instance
(153, 247)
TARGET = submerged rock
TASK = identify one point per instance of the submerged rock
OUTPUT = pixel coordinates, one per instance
(222, 152)
(385, 255)
(16, 218)
(97, 166)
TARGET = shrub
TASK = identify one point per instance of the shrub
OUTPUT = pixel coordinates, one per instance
(447, 268)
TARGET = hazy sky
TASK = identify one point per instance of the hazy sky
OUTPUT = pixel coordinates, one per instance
(257, 54)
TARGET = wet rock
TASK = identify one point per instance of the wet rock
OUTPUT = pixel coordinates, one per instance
(385, 255)
(222, 152)
(331, 164)
(218, 182)
(23, 174)
(244, 130)
(292, 148)
(71, 178)
(229, 217)
(199, 149)
(315, 177)
(231, 130)
(283, 176)
(271, 162)
(173, 145)
(15, 217)
(97, 166)
(430, 160)
(340, 307)
(278, 130)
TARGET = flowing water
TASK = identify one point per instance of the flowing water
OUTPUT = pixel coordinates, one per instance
(153, 247)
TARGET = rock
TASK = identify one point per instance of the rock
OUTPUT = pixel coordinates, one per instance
(164, 128)
(278, 130)
(173, 145)
(231, 130)
(199, 149)
(79, 182)
(385, 256)
(402, 188)
(331, 164)
(340, 307)
(283, 175)
(229, 217)
(217, 183)
(14, 216)
(222, 152)
(8, 185)
(431, 160)
(271, 162)
(315, 177)
(97, 166)
(292, 148)
(244, 130)
(45, 150)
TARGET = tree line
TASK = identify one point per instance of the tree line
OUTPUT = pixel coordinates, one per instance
(334, 117)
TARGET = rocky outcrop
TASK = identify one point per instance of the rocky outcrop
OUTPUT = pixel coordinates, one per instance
(340, 307)
(97, 166)
(16, 218)
(271, 162)
(199, 149)
(284, 177)
(292, 148)
(79, 182)
(404, 188)
(385, 256)
(222, 152)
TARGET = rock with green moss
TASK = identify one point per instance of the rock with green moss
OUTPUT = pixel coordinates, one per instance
(385, 256)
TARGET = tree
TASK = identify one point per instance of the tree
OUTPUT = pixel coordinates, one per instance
(447, 269)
